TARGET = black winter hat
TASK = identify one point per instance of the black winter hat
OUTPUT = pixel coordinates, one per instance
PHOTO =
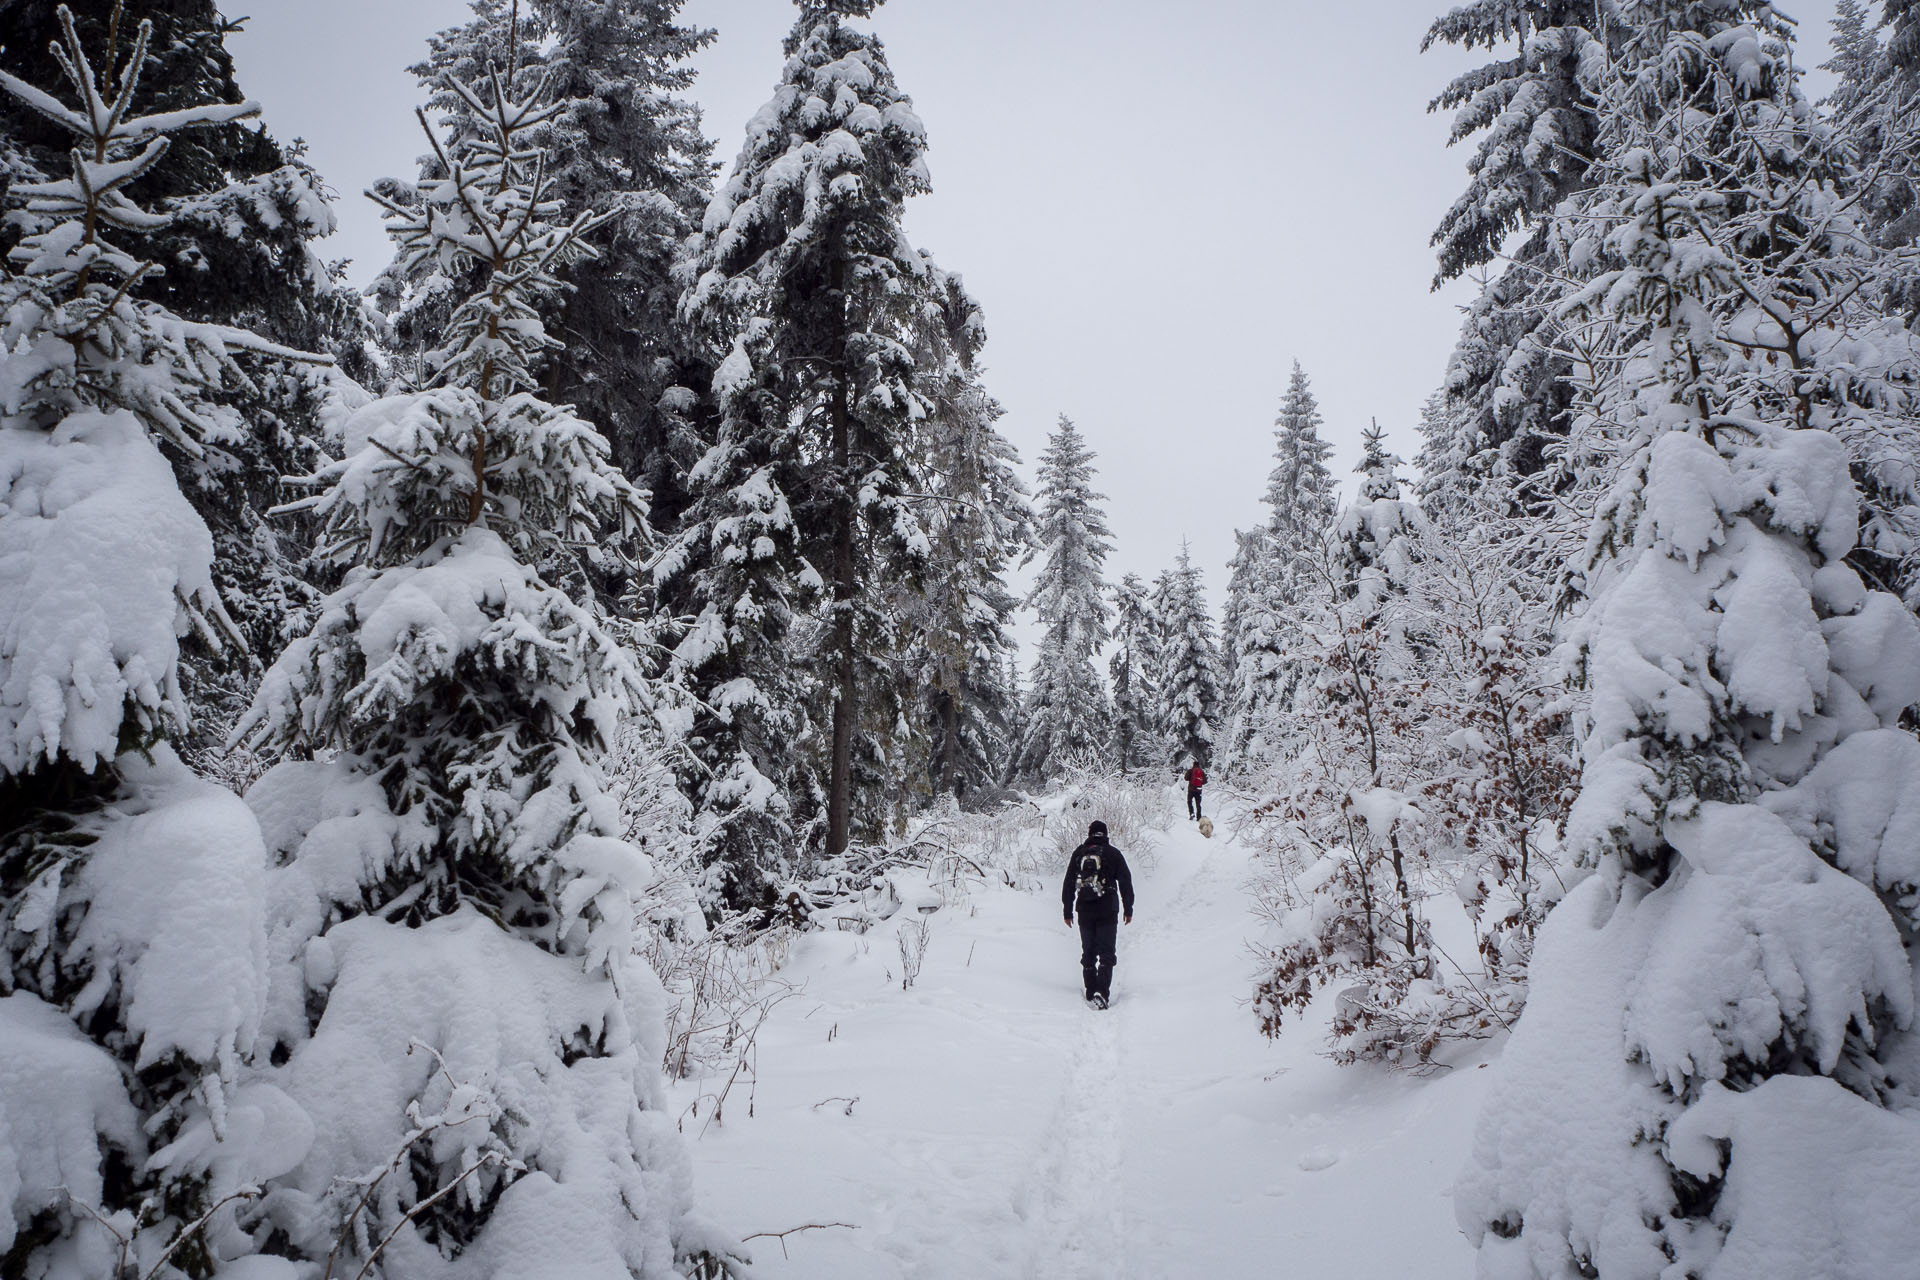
(1096, 828)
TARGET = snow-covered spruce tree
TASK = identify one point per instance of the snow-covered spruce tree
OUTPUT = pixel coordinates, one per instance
(1300, 502)
(1344, 891)
(1248, 553)
(1902, 18)
(977, 519)
(1133, 670)
(131, 892)
(235, 248)
(1189, 669)
(803, 276)
(457, 997)
(755, 778)
(623, 139)
(1718, 1037)
(1876, 111)
(1067, 714)
(1016, 711)
(1534, 119)
(1259, 638)
(1443, 486)
(1300, 488)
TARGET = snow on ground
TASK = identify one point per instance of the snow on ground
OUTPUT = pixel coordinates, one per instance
(986, 1123)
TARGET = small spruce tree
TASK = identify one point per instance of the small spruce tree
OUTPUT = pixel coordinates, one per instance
(622, 139)
(1133, 670)
(448, 843)
(1189, 676)
(1066, 711)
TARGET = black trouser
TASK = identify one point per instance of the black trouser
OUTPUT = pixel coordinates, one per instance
(1097, 937)
(1193, 802)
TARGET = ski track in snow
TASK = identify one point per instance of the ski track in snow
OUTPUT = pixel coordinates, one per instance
(1003, 1129)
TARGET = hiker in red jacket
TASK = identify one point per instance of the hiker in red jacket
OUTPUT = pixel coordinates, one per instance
(1196, 778)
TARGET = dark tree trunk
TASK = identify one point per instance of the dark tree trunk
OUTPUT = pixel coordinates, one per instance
(844, 584)
(949, 780)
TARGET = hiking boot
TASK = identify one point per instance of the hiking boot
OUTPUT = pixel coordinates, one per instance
(1097, 1001)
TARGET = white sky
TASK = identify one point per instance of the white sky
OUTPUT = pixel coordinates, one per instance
(1160, 207)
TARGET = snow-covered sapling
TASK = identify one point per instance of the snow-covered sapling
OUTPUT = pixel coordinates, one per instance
(454, 869)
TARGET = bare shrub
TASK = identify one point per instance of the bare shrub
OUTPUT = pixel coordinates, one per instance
(1137, 812)
(913, 938)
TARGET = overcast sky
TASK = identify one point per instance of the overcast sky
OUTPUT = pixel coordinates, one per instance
(1160, 206)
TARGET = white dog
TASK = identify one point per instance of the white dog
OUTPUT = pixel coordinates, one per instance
(1206, 827)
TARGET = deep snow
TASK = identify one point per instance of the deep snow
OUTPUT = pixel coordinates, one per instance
(1002, 1128)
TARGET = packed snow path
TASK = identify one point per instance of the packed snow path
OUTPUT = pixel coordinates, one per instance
(1002, 1128)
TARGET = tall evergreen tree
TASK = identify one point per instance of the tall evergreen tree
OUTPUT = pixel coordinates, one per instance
(1189, 666)
(1251, 556)
(1263, 636)
(1535, 121)
(1133, 670)
(976, 515)
(1300, 503)
(623, 139)
(1737, 969)
(1066, 712)
(802, 273)
(1299, 493)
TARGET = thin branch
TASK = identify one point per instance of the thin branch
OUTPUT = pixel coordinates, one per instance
(244, 1193)
(781, 1236)
(489, 1158)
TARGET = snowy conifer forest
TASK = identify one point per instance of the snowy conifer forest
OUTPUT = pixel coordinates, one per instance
(553, 753)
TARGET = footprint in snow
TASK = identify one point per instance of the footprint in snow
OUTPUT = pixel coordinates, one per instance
(1319, 1158)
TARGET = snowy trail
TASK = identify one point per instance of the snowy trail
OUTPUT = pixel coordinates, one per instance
(1073, 1204)
(1004, 1129)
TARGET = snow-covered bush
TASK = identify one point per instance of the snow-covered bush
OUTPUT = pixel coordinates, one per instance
(1346, 865)
(1136, 808)
(1496, 747)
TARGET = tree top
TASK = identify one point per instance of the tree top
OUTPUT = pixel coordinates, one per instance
(845, 8)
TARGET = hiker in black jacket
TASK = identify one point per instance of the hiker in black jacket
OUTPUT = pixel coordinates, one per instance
(1099, 887)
